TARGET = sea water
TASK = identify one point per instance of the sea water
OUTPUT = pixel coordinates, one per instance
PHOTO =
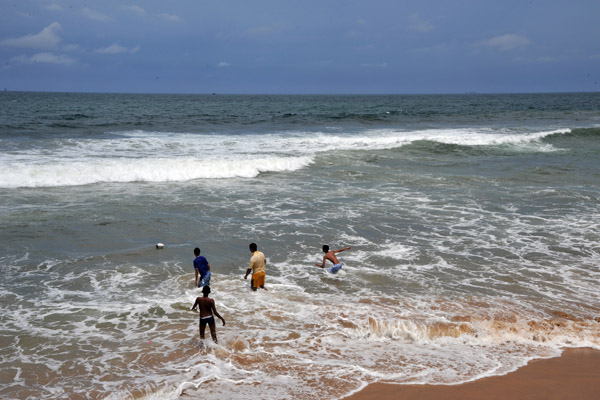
(473, 222)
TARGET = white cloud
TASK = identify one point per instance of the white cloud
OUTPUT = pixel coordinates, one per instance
(265, 30)
(546, 59)
(135, 9)
(417, 24)
(438, 49)
(70, 47)
(534, 60)
(170, 17)
(506, 42)
(223, 64)
(116, 48)
(53, 7)
(380, 65)
(94, 15)
(259, 30)
(47, 39)
(44, 58)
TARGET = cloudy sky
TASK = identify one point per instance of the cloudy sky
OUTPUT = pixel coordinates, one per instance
(304, 46)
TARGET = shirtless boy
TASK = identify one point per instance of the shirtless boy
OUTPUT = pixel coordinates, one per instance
(207, 309)
(330, 255)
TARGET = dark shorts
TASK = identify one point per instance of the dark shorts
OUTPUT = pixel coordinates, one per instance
(210, 321)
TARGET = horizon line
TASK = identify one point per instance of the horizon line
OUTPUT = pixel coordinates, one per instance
(5, 90)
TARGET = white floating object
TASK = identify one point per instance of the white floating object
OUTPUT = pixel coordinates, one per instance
(159, 245)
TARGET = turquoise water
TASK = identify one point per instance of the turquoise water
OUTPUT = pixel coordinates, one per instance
(473, 221)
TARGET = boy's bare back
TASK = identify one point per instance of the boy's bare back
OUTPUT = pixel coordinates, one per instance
(330, 255)
(206, 306)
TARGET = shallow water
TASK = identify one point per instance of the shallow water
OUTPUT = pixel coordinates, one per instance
(473, 222)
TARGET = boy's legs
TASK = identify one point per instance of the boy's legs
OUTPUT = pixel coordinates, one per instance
(202, 328)
(213, 330)
(259, 280)
(205, 280)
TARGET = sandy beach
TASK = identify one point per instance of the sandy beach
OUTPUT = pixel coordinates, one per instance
(574, 375)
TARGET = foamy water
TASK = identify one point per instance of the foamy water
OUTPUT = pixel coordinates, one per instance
(474, 245)
(154, 157)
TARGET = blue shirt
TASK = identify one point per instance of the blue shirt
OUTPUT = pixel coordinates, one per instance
(201, 264)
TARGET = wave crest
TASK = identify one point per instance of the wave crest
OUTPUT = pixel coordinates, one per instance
(122, 170)
(139, 156)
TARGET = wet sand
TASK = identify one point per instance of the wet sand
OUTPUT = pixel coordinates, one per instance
(573, 375)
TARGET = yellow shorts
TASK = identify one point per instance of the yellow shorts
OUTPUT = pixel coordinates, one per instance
(258, 279)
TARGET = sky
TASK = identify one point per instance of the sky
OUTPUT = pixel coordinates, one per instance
(300, 47)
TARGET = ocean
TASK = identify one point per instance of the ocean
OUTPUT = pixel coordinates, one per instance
(473, 221)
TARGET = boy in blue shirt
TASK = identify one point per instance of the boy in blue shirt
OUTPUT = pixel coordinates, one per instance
(202, 269)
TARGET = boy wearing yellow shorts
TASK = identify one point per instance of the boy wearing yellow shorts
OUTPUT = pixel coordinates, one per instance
(257, 267)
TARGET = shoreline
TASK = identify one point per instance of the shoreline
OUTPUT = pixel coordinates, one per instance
(574, 374)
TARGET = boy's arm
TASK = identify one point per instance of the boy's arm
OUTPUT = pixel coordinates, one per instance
(248, 270)
(340, 250)
(196, 303)
(214, 310)
(324, 260)
(196, 277)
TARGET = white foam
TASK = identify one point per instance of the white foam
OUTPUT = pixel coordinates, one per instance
(168, 157)
(62, 173)
(283, 337)
(397, 251)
